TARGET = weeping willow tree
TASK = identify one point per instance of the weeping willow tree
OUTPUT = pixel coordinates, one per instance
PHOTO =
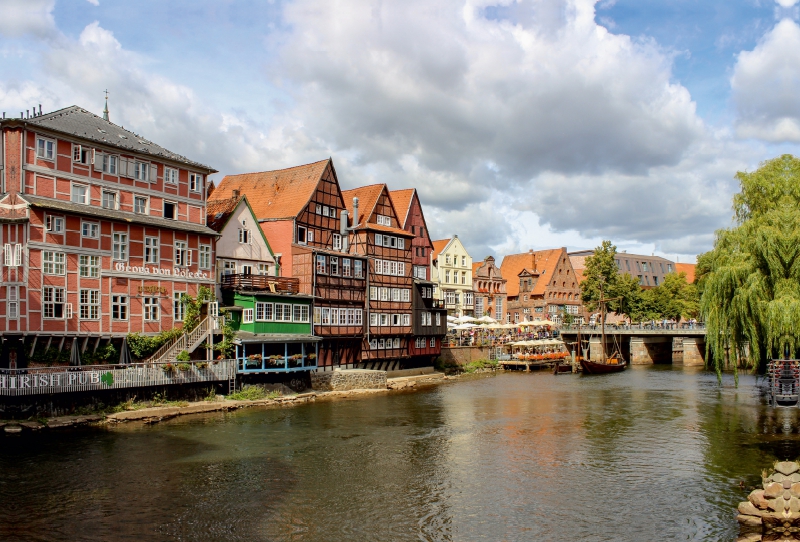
(750, 281)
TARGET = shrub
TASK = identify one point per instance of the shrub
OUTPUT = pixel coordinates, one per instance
(184, 367)
(168, 368)
(253, 393)
(183, 355)
(201, 365)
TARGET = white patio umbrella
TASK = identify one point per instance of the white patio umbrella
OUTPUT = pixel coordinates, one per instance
(464, 319)
(451, 318)
(465, 326)
(487, 319)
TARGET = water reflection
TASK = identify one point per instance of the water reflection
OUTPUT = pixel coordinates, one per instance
(651, 453)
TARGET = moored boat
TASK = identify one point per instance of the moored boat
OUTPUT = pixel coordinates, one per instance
(611, 365)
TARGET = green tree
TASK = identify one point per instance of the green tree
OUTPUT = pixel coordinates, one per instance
(602, 268)
(750, 281)
(675, 298)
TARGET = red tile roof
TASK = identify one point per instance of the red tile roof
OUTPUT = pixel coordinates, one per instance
(279, 194)
(542, 261)
(476, 266)
(438, 247)
(386, 229)
(402, 203)
(219, 211)
(367, 199)
(687, 268)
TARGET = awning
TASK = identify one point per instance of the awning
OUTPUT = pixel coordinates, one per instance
(245, 337)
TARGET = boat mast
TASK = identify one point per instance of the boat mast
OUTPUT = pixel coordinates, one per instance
(602, 321)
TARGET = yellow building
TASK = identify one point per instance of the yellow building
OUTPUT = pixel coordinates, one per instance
(451, 270)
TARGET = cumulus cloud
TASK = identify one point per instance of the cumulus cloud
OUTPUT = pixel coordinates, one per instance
(786, 3)
(20, 17)
(766, 84)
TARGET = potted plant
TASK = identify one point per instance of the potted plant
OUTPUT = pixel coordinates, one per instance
(312, 356)
(202, 365)
(168, 368)
(184, 367)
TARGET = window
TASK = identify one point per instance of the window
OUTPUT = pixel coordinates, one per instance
(345, 267)
(401, 243)
(205, 260)
(358, 316)
(89, 308)
(373, 319)
(447, 277)
(438, 318)
(53, 304)
(463, 277)
(119, 307)
(302, 235)
(379, 239)
(318, 209)
(109, 200)
(228, 267)
(80, 194)
(420, 272)
(140, 205)
(326, 316)
(90, 230)
(321, 264)
(109, 164)
(283, 312)
(433, 342)
(644, 267)
(407, 319)
(151, 309)
(405, 294)
(334, 265)
(45, 148)
(463, 261)
(181, 253)
(263, 312)
(151, 250)
(119, 246)
(89, 266)
(170, 210)
(301, 312)
(396, 342)
(382, 343)
(655, 280)
(170, 175)
(178, 307)
(395, 294)
(384, 220)
(244, 236)
(450, 297)
(447, 259)
(140, 170)
(395, 319)
(373, 344)
(384, 319)
(247, 316)
(195, 182)
(669, 268)
(12, 296)
(337, 241)
(53, 263)
(384, 294)
(358, 269)
(373, 293)
(54, 224)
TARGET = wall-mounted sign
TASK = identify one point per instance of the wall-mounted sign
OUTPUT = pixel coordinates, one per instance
(153, 290)
(148, 270)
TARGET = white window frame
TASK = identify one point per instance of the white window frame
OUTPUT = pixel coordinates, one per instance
(110, 164)
(178, 306)
(51, 297)
(114, 195)
(265, 312)
(433, 342)
(170, 175)
(302, 235)
(146, 210)
(119, 305)
(88, 266)
(195, 182)
(88, 304)
(204, 257)
(141, 171)
(245, 237)
(248, 316)
(54, 263)
(405, 295)
(151, 309)
(358, 269)
(119, 246)
(333, 265)
(337, 241)
(182, 254)
(54, 224)
(90, 227)
(12, 294)
(152, 250)
(45, 148)
(384, 320)
(174, 210)
(85, 199)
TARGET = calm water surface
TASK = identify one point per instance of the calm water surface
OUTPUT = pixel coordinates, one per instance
(649, 454)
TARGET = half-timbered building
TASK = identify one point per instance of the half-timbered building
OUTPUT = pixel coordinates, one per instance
(377, 236)
(411, 219)
(102, 231)
(299, 209)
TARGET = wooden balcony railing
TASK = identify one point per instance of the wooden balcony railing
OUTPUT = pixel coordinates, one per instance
(275, 285)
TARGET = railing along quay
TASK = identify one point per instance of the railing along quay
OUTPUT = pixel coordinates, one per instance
(45, 380)
(638, 329)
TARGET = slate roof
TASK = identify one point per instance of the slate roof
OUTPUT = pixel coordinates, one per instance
(687, 268)
(79, 122)
(274, 195)
(367, 200)
(121, 216)
(542, 261)
(402, 203)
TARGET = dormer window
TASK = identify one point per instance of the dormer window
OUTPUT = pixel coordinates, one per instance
(384, 220)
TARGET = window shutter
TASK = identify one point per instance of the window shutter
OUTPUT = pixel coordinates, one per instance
(7, 254)
(76, 153)
(68, 311)
(18, 255)
(213, 309)
(189, 257)
(132, 169)
(153, 173)
(98, 161)
(310, 236)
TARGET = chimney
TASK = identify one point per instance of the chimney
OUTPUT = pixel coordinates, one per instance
(355, 212)
(235, 193)
(40, 109)
(343, 231)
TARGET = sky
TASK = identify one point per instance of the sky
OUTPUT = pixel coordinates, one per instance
(522, 124)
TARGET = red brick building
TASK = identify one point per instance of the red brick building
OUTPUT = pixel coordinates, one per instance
(541, 285)
(102, 231)
(411, 219)
(490, 289)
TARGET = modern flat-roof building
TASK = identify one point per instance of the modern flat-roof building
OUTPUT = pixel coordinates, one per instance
(102, 232)
(649, 270)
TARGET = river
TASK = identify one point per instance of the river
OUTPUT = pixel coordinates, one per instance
(653, 453)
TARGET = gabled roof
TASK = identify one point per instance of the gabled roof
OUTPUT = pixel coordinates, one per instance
(79, 122)
(219, 213)
(278, 194)
(439, 246)
(687, 268)
(384, 229)
(476, 266)
(402, 204)
(368, 197)
(542, 261)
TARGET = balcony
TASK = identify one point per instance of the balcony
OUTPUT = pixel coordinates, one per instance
(265, 283)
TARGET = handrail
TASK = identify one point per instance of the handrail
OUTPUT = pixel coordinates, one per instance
(185, 341)
(240, 281)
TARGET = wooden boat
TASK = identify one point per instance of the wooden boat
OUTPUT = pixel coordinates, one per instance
(562, 367)
(612, 365)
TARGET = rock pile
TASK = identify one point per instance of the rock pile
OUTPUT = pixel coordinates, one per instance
(773, 513)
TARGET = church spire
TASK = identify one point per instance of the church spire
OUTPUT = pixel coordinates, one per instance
(105, 111)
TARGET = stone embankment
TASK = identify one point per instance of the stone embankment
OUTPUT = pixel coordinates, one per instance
(336, 385)
(773, 512)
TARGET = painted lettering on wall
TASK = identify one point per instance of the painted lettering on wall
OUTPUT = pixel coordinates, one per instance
(55, 380)
(148, 270)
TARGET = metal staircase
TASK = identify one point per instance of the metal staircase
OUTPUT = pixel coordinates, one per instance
(188, 341)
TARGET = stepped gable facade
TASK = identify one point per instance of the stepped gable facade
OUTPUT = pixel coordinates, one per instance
(489, 287)
(378, 235)
(429, 318)
(541, 285)
(101, 231)
(299, 211)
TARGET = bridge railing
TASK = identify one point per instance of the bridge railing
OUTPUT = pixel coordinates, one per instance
(641, 326)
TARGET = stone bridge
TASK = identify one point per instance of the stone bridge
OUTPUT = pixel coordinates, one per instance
(644, 345)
